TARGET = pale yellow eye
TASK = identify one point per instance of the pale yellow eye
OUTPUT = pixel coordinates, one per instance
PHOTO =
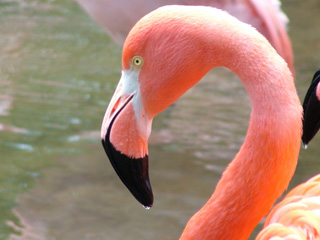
(137, 61)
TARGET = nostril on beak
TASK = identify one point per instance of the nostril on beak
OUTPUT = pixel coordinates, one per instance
(115, 106)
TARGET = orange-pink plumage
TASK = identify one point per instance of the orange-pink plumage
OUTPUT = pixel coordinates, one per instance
(179, 45)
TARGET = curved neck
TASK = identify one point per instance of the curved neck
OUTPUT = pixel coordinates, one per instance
(263, 167)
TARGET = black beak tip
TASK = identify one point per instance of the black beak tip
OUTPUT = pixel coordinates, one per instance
(133, 172)
(311, 111)
(305, 139)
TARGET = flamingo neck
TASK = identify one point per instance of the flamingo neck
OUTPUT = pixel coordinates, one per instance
(264, 166)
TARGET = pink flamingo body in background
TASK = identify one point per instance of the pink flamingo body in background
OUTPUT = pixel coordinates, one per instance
(165, 54)
(118, 17)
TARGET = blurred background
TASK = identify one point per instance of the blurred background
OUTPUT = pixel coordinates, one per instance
(58, 71)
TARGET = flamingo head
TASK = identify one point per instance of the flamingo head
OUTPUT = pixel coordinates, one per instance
(311, 110)
(164, 55)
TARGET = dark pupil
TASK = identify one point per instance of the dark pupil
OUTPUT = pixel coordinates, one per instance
(137, 61)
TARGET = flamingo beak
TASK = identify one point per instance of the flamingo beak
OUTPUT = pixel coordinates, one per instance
(124, 134)
(311, 110)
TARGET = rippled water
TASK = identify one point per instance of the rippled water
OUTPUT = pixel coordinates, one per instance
(58, 70)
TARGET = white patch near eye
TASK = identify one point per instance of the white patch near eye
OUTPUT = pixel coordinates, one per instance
(130, 83)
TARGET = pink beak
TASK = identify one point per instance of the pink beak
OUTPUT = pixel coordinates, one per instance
(124, 146)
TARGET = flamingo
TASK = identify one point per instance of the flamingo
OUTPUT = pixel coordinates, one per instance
(166, 53)
(118, 17)
(311, 108)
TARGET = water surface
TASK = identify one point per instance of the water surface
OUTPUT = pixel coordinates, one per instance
(58, 70)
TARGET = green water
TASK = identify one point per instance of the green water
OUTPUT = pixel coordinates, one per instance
(50, 81)
(58, 70)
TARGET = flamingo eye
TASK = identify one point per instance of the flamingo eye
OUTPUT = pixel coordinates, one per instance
(137, 61)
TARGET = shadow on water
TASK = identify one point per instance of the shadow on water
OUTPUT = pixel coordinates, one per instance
(58, 70)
